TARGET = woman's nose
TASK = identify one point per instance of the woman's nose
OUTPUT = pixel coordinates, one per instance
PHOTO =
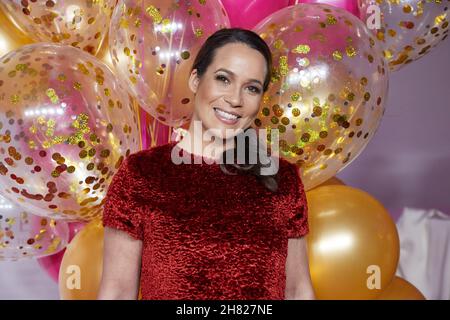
(234, 98)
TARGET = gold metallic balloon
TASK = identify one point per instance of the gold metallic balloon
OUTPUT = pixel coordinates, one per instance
(400, 289)
(81, 267)
(153, 45)
(408, 30)
(82, 264)
(79, 23)
(353, 243)
(331, 182)
(24, 235)
(66, 124)
(328, 90)
(11, 37)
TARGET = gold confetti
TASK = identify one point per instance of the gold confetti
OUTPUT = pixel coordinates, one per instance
(21, 67)
(302, 49)
(295, 96)
(331, 19)
(198, 32)
(337, 55)
(316, 101)
(153, 12)
(50, 127)
(51, 93)
(278, 44)
(82, 68)
(53, 246)
(387, 54)
(166, 26)
(407, 8)
(15, 98)
(77, 85)
(351, 51)
(439, 19)
(123, 23)
(284, 69)
(137, 23)
(392, 33)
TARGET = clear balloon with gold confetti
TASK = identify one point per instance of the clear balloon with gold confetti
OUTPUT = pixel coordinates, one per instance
(66, 124)
(406, 30)
(24, 235)
(328, 89)
(153, 44)
(79, 23)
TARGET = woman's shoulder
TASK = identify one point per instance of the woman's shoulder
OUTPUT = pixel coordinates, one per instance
(285, 167)
(152, 157)
(289, 173)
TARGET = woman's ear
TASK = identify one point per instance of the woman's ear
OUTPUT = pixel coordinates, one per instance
(193, 81)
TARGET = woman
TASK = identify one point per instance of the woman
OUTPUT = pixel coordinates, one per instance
(207, 229)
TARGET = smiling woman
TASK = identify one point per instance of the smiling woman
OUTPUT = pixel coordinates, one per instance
(232, 98)
(209, 231)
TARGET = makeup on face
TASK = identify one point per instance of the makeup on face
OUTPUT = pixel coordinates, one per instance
(229, 95)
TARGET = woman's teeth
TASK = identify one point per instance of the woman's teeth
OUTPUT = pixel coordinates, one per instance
(226, 115)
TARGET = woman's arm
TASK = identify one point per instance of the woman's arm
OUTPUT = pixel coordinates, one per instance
(298, 278)
(121, 266)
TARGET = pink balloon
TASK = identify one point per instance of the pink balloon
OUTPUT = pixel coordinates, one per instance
(349, 5)
(246, 14)
(153, 132)
(51, 263)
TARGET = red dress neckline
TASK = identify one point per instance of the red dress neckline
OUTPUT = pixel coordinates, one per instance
(196, 157)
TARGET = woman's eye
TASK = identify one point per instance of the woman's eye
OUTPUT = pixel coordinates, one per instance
(221, 78)
(254, 89)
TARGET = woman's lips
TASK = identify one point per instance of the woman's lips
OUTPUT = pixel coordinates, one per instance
(226, 117)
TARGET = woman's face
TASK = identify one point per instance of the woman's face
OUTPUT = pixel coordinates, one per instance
(228, 94)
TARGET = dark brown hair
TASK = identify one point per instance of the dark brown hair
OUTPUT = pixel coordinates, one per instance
(204, 58)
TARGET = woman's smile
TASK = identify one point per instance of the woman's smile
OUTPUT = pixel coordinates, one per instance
(226, 117)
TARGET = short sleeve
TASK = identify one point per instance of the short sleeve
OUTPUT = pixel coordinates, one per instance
(121, 210)
(297, 225)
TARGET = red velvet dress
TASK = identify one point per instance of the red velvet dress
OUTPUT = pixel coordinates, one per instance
(206, 234)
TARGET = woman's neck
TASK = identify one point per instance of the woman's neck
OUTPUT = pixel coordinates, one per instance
(198, 142)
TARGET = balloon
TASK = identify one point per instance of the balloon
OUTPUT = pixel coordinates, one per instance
(153, 44)
(66, 124)
(79, 23)
(51, 264)
(85, 252)
(246, 14)
(400, 289)
(407, 30)
(331, 182)
(104, 54)
(349, 5)
(352, 244)
(156, 132)
(24, 235)
(81, 267)
(11, 38)
(328, 89)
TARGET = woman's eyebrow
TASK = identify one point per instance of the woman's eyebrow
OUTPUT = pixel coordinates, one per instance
(233, 74)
